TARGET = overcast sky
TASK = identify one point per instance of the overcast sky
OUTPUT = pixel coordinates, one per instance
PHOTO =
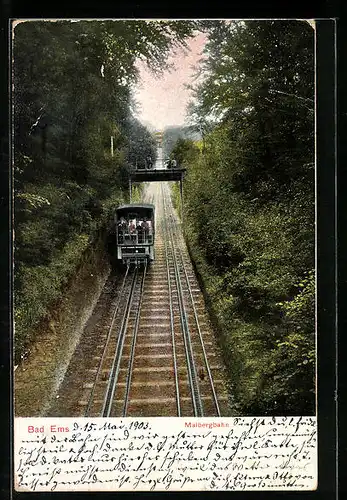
(163, 101)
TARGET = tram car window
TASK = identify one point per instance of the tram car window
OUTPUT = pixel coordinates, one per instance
(135, 232)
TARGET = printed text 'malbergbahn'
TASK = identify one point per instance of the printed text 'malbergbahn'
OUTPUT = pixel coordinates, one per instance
(208, 425)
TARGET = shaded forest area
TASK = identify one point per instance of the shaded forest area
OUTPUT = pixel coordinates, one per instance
(72, 93)
(249, 208)
(249, 189)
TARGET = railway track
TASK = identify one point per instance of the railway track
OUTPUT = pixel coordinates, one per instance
(158, 356)
(125, 322)
(196, 356)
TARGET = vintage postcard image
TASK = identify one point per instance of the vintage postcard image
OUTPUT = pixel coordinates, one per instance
(164, 254)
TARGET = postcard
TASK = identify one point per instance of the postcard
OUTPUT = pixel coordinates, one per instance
(164, 255)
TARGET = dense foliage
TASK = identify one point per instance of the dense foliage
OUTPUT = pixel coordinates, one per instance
(249, 190)
(72, 94)
(249, 208)
(173, 134)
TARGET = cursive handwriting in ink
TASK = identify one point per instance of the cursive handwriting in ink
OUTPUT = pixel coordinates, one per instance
(246, 453)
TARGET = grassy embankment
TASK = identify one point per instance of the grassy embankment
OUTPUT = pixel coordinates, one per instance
(262, 314)
(44, 286)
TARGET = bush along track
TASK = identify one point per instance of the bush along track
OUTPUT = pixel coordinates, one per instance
(249, 209)
(249, 187)
(75, 136)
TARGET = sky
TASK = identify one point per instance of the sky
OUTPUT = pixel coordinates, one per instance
(162, 101)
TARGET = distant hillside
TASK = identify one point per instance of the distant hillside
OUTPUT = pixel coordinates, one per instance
(172, 134)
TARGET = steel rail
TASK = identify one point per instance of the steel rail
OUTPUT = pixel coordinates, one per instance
(133, 345)
(193, 379)
(215, 398)
(112, 382)
(90, 400)
(177, 389)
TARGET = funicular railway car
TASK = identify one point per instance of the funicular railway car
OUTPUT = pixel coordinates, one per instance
(135, 231)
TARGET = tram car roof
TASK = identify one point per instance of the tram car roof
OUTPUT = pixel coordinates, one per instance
(141, 208)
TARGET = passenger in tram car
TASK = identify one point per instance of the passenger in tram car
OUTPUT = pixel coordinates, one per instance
(145, 228)
(132, 229)
(140, 231)
(145, 224)
(120, 232)
(121, 229)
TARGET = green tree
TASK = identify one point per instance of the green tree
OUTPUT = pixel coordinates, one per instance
(141, 144)
(249, 207)
(72, 93)
(185, 151)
